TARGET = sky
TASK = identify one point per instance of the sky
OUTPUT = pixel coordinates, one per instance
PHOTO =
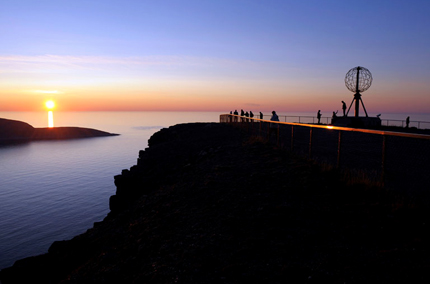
(216, 55)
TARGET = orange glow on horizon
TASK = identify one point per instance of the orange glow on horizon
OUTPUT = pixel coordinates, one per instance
(209, 99)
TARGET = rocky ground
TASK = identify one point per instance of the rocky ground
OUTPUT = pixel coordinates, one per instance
(208, 204)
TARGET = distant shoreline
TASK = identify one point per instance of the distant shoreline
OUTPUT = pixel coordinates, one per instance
(14, 131)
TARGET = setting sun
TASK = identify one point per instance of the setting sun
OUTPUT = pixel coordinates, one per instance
(50, 104)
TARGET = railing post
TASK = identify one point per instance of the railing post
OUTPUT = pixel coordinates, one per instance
(339, 143)
(292, 138)
(310, 143)
(383, 159)
(259, 128)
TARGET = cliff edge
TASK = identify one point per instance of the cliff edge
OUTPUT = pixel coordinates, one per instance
(206, 203)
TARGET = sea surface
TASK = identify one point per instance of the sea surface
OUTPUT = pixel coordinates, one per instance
(55, 190)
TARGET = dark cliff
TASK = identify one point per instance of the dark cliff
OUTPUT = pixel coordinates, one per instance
(206, 203)
(13, 131)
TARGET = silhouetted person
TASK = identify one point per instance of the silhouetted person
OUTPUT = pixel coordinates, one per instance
(333, 117)
(231, 116)
(407, 122)
(235, 113)
(319, 116)
(274, 117)
(261, 115)
(344, 108)
(273, 126)
(242, 113)
(251, 115)
(246, 115)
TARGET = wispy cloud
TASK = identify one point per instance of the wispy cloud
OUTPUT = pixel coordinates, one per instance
(96, 62)
(48, 92)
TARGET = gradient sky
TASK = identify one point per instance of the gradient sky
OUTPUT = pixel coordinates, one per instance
(213, 55)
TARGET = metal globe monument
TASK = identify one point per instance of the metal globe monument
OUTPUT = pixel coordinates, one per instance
(358, 80)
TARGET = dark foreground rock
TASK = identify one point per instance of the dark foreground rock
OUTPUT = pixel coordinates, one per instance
(13, 131)
(206, 204)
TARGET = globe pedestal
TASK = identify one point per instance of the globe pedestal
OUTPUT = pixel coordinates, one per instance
(356, 122)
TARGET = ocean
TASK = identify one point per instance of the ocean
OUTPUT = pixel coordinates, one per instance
(55, 190)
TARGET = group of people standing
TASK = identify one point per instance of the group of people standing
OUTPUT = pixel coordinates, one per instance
(249, 114)
(275, 117)
(334, 115)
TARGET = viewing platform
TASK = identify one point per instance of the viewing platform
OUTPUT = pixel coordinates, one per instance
(395, 159)
(327, 120)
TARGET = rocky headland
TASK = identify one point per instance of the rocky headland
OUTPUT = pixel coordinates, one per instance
(206, 203)
(14, 131)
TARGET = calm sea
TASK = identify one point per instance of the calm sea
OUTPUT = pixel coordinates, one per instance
(54, 190)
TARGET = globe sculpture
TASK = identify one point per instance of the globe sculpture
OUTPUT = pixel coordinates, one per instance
(358, 79)
(359, 75)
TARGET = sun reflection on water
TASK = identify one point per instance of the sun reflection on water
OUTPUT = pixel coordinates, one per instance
(50, 105)
(50, 119)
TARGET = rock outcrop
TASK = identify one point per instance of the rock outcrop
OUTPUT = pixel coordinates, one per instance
(13, 131)
(205, 203)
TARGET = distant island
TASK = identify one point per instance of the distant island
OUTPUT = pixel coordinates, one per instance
(14, 131)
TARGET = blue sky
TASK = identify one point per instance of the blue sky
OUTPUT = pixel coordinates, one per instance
(214, 54)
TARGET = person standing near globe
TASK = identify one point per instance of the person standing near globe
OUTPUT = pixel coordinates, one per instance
(344, 108)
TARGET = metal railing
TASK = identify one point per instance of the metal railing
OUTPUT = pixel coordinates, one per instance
(300, 119)
(327, 120)
(402, 123)
(398, 160)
